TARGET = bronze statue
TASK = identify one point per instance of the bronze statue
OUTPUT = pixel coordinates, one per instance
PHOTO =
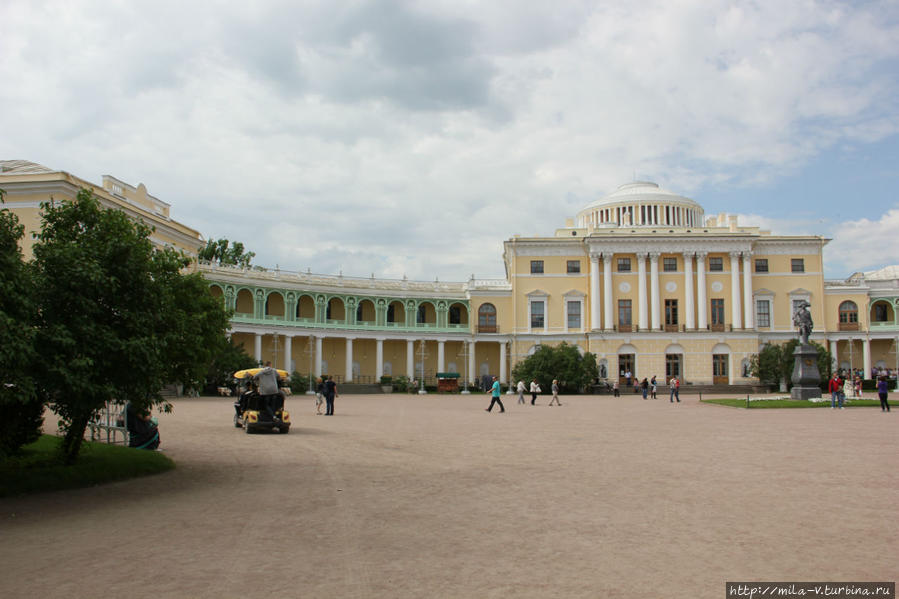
(802, 318)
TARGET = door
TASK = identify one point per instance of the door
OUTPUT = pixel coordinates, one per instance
(719, 369)
(625, 364)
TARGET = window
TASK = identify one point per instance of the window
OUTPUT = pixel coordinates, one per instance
(574, 315)
(455, 314)
(672, 366)
(669, 264)
(358, 313)
(761, 265)
(848, 312)
(718, 311)
(716, 264)
(536, 267)
(537, 315)
(797, 264)
(763, 313)
(391, 314)
(574, 266)
(671, 312)
(719, 368)
(624, 312)
(487, 318)
(881, 312)
(624, 264)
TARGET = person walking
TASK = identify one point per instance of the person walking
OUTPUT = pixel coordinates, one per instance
(535, 389)
(616, 390)
(494, 397)
(645, 386)
(555, 393)
(847, 390)
(654, 386)
(835, 386)
(319, 395)
(521, 389)
(882, 386)
(674, 389)
(330, 394)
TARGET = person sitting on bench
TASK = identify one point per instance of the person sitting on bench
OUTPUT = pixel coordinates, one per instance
(142, 429)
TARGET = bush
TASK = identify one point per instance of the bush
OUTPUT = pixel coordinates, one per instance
(20, 424)
(298, 383)
(401, 383)
(386, 379)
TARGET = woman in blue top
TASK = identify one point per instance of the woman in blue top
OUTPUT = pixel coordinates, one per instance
(882, 392)
(494, 391)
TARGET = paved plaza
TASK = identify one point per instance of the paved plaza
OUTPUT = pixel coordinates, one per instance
(408, 496)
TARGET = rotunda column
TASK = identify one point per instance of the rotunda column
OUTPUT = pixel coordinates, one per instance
(703, 309)
(641, 290)
(748, 315)
(689, 309)
(735, 290)
(595, 318)
(608, 322)
(654, 290)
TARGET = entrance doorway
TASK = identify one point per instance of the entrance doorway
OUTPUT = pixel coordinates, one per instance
(719, 369)
(625, 364)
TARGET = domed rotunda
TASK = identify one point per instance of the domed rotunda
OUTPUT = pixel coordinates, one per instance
(641, 204)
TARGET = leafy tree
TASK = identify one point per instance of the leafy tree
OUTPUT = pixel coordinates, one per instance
(774, 363)
(226, 253)
(563, 362)
(117, 319)
(20, 409)
(228, 359)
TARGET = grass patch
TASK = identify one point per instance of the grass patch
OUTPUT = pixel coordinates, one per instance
(38, 467)
(790, 403)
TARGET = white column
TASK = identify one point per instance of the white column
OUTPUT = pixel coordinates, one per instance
(703, 311)
(833, 354)
(748, 308)
(288, 342)
(655, 301)
(257, 347)
(410, 358)
(689, 310)
(595, 319)
(441, 354)
(379, 359)
(502, 361)
(318, 356)
(641, 291)
(348, 377)
(608, 314)
(866, 354)
(471, 361)
(735, 290)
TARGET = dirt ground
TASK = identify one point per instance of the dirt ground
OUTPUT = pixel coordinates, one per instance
(408, 496)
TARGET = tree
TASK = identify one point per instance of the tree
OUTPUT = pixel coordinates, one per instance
(563, 362)
(225, 253)
(774, 363)
(117, 319)
(228, 359)
(20, 409)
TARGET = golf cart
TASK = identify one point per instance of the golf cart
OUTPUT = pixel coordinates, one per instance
(254, 412)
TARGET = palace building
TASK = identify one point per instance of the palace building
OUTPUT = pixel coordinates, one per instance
(642, 278)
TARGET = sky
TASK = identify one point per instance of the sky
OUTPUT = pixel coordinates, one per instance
(412, 138)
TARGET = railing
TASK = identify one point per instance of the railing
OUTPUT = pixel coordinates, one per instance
(342, 324)
(848, 326)
(488, 328)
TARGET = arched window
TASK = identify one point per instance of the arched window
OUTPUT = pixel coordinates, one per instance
(487, 318)
(848, 312)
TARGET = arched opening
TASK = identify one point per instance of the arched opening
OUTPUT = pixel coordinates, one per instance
(427, 314)
(396, 313)
(244, 303)
(458, 315)
(627, 364)
(882, 312)
(336, 312)
(848, 316)
(274, 305)
(721, 364)
(674, 362)
(365, 312)
(487, 319)
(306, 308)
(216, 292)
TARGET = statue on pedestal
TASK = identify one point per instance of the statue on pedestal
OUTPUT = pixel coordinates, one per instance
(802, 318)
(806, 378)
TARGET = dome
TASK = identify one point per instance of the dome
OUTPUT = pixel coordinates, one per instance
(642, 204)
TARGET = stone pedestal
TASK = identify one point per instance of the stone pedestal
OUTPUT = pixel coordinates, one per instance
(806, 378)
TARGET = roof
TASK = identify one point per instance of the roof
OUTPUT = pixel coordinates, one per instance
(645, 192)
(887, 273)
(23, 167)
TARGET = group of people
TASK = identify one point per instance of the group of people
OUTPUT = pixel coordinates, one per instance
(648, 387)
(325, 392)
(534, 388)
(850, 386)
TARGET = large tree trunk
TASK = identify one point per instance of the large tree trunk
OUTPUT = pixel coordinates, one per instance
(71, 443)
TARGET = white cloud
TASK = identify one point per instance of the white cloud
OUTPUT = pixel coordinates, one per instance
(413, 138)
(863, 244)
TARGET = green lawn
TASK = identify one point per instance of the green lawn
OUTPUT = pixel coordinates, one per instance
(791, 403)
(38, 467)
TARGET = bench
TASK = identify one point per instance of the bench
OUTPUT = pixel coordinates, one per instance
(109, 425)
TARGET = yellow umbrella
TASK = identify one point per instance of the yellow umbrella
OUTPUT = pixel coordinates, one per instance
(251, 372)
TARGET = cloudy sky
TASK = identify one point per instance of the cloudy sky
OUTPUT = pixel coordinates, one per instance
(412, 138)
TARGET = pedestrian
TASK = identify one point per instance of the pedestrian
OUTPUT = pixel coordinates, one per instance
(555, 393)
(521, 389)
(627, 378)
(882, 394)
(847, 390)
(319, 395)
(835, 386)
(674, 389)
(535, 389)
(645, 385)
(616, 389)
(330, 394)
(494, 399)
(269, 390)
(654, 386)
(858, 387)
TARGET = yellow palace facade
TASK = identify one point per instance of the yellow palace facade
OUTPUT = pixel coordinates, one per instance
(642, 278)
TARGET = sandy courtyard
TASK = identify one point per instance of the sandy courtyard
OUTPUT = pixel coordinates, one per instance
(407, 496)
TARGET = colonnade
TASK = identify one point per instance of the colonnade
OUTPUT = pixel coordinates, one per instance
(649, 309)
